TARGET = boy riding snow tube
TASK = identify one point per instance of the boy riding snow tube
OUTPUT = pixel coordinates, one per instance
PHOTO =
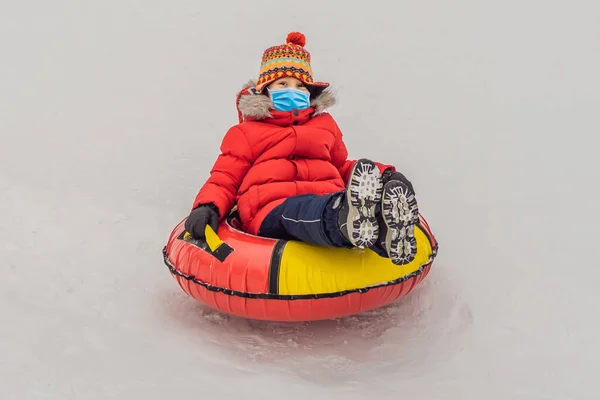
(285, 168)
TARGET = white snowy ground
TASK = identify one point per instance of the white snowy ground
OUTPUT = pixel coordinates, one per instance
(111, 113)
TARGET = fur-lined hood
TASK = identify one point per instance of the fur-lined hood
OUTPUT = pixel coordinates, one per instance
(251, 104)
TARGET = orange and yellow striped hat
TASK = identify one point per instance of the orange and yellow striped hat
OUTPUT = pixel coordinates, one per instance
(287, 60)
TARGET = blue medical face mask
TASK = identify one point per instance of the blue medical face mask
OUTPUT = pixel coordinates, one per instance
(289, 98)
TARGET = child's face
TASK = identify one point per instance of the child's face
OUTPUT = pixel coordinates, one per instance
(287, 82)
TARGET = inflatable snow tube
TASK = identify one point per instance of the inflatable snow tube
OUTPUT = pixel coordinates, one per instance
(278, 280)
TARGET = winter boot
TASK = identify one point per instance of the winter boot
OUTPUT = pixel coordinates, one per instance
(399, 215)
(357, 220)
(389, 175)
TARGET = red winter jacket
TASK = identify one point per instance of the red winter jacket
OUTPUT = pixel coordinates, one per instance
(273, 155)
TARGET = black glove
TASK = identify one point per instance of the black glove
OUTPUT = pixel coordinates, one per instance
(200, 217)
(389, 175)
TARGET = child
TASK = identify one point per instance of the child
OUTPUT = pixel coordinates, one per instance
(285, 165)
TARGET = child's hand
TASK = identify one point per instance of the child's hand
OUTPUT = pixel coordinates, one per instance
(199, 218)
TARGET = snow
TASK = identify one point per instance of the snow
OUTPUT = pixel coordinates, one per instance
(111, 114)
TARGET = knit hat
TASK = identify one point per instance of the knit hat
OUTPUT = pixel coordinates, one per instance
(287, 60)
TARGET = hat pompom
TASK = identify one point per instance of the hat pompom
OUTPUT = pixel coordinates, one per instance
(296, 38)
